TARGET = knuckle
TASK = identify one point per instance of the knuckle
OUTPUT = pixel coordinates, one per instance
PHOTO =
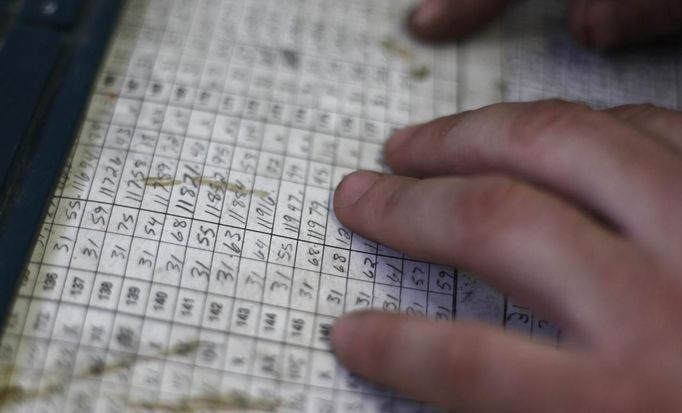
(533, 129)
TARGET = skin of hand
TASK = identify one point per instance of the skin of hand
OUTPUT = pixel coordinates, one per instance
(574, 212)
(594, 23)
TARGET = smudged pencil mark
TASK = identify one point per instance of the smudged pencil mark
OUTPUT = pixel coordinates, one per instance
(393, 47)
(18, 394)
(502, 87)
(180, 349)
(420, 73)
(12, 394)
(214, 403)
(291, 58)
(216, 183)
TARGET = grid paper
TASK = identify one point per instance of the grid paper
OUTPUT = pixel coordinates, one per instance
(543, 61)
(190, 252)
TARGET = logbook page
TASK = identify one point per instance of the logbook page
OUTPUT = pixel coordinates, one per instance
(190, 260)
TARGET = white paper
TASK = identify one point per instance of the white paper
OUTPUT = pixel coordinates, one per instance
(189, 255)
(190, 260)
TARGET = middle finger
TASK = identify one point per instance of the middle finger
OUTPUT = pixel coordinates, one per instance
(589, 156)
(523, 241)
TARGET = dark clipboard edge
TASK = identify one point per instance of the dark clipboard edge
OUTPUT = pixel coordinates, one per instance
(37, 167)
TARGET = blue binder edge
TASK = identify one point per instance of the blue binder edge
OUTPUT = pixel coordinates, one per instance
(40, 170)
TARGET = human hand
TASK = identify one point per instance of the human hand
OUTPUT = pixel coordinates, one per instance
(595, 23)
(575, 213)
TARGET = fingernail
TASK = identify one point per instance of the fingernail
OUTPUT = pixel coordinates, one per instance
(399, 138)
(353, 187)
(426, 13)
(343, 332)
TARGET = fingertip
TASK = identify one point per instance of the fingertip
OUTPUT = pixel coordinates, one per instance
(434, 21)
(602, 25)
(426, 13)
(442, 20)
(353, 187)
